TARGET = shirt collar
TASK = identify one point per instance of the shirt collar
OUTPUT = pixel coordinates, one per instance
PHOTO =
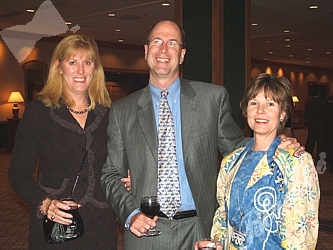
(174, 91)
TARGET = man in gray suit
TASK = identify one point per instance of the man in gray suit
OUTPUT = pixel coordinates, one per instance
(203, 125)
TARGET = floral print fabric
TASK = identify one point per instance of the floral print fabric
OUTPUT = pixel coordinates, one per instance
(277, 208)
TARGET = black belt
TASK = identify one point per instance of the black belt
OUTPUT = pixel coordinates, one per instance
(179, 215)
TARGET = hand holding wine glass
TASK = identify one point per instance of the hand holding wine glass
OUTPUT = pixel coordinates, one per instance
(150, 207)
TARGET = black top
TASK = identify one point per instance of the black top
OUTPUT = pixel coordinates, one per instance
(55, 139)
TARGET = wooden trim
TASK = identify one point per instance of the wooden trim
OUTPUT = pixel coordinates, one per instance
(217, 42)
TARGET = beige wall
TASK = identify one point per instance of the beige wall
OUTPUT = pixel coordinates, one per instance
(297, 75)
(12, 75)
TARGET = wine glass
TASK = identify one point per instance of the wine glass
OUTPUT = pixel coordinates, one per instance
(150, 207)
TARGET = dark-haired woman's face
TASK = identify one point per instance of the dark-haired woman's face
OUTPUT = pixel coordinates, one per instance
(264, 114)
(77, 72)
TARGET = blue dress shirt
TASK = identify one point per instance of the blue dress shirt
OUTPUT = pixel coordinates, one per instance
(187, 202)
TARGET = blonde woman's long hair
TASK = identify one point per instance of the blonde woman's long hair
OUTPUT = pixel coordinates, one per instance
(54, 93)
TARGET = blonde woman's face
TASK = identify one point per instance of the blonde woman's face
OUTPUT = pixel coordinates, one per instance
(77, 72)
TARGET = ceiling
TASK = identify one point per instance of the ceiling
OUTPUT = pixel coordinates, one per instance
(309, 28)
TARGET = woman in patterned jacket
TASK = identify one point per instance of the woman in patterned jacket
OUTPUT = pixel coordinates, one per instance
(268, 196)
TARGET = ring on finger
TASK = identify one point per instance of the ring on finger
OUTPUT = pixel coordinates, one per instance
(53, 215)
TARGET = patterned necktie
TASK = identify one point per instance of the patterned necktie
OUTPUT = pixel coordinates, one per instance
(168, 189)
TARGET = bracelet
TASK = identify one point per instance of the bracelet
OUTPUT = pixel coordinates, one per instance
(40, 208)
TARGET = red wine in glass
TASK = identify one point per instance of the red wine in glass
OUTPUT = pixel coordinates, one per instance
(150, 207)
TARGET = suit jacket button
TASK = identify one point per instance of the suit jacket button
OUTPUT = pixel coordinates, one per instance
(84, 180)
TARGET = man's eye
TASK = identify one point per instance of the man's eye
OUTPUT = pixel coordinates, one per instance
(157, 42)
(172, 43)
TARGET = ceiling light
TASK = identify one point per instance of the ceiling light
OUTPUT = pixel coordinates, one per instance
(328, 52)
(291, 55)
(117, 30)
(111, 14)
(166, 4)
(287, 40)
(287, 45)
(313, 7)
(270, 52)
(307, 62)
(31, 10)
(120, 40)
(308, 49)
(308, 58)
(68, 23)
(286, 31)
(254, 24)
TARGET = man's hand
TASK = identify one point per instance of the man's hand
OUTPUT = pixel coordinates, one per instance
(290, 142)
(140, 224)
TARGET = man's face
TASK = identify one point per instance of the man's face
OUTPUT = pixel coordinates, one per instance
(164, 53)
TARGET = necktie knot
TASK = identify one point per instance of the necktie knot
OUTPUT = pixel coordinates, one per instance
(164, 93)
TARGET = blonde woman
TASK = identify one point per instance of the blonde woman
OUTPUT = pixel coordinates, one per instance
(69, 119)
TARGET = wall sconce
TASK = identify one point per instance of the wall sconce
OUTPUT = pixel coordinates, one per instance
(15, 97)
(295, 100)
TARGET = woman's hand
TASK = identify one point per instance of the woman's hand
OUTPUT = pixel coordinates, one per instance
(205, 244)
(127, 181)
(55, 210)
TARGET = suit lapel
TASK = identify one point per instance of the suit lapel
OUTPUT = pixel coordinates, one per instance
(146, 119)
(189, 109)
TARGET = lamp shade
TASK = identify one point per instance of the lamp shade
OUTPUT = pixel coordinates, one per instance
(15, 96)
(295, 99)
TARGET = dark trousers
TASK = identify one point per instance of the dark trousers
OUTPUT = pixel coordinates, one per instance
(317, 133)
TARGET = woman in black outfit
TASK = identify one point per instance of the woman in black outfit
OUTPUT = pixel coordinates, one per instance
(69, 118)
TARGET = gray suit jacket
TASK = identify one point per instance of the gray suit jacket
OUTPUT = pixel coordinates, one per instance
(207, 126)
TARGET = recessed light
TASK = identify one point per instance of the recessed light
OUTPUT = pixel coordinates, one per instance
(307, 62)
(68, 23)
(286, 31)
(165, 4)
(117, 30)
(287, 40)
(313, 7)
(308, 49)
(308, 58)
(270, 52)
(31, 11)
(328, 52)
(120, 40)
(111, 14)
(291, 55)
(287, 45)
(254, 24)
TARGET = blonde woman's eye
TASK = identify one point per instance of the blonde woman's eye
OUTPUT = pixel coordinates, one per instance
(88, 62)
(72, 63)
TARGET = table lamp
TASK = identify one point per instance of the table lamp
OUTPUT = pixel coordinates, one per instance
(295, 100)
(15, 97)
